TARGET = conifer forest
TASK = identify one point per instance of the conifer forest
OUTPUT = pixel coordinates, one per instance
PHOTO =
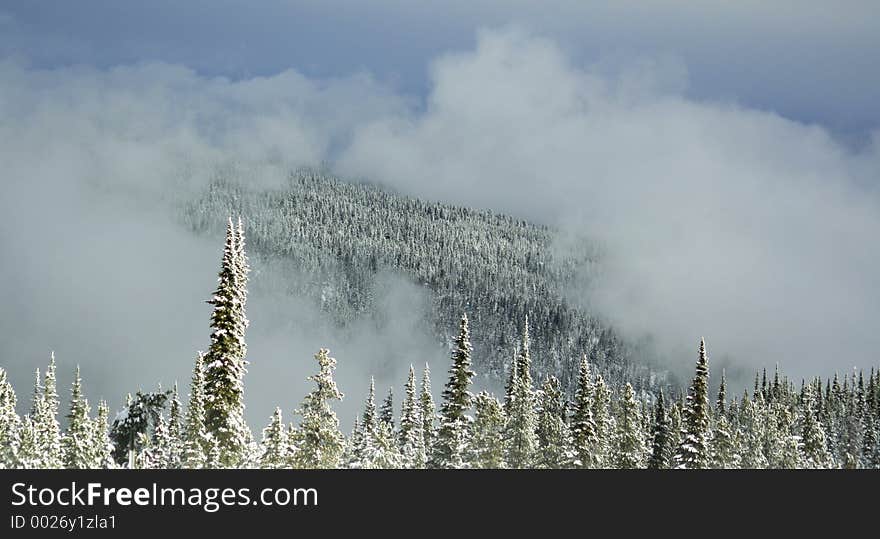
(572, 393)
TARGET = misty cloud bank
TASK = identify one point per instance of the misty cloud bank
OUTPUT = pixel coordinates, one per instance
(757, 232)
(752, 230)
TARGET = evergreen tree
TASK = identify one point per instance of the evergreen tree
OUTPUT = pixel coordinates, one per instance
(225, 363)
(693, 451)
(723, 445)
(196, 440)
(319, 442)
(48, 428)
(583, 425)
(604, 423)
(28, 456)
(410, 436)
(751, 433)
(427, 411)
(274, 444)
(102, 447)
(870, 442)
(661, 446)
(133, 428)
(370, 418)
(386, 414)
(175, 433)
(47, 431)
(9, 424)
(158, 453)
(554, 440)
(383, 452)
(510, 386)
(629, 439)
(78, 440)
(451, 445)
(519, 433)
(487, 449)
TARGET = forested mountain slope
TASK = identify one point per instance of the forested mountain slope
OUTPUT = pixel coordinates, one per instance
(338, 236)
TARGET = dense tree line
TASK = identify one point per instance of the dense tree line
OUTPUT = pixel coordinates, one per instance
(822, 424)
(337, 236)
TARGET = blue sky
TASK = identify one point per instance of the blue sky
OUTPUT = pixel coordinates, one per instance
(806, 60)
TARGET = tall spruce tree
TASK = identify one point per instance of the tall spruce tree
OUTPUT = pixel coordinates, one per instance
(410, 436)
(46, 422)
(225, 364)
(77, 441)
(520, 432)
(583, 425)
(319, 442)
(427, 411)
(693, 450)
(451, 445)
(102, 447)
(661, 446)
(604, 423)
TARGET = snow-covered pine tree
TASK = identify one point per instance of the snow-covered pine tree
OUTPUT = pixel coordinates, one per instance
(870, 442)
(319, 442)
(9, 424)
(384, 451)
(47, 431)
(28, 455)
(427, 410)
(604, 423)
(274, 445)
(519, 434)
(175, 432)
(510, 385)
(370, 422)
(158, 453)
(77, 442)
(386, 413)
(410, 436)
(789, 453)
(49, 428)
(451, 444)
(134, 426)
(583, 425)
(352, 455)
(629, 449)
(102, 447)
(661, 447)
(225, 364)
(693, 451)
(487, 448)
(723, 445)
(554, 439)
(195, 436)
(751, 432)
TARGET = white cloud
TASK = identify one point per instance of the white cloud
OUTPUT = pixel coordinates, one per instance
(755, 231)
